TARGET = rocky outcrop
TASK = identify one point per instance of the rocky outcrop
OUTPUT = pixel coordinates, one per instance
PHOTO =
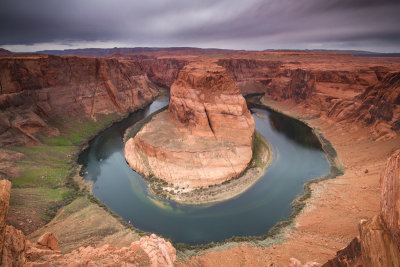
(206, 135)
(148, 251)
(379, 241)
(348, 256)
(14, 248)
(378, 247)
(390, 196)
(5, 188)
(48, 240)
(36, 89)
(17, 251)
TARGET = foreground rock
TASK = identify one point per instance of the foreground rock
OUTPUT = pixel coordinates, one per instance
(148, 251)
(5, 188)
(379, 240)
(204, 138)
(16, 250)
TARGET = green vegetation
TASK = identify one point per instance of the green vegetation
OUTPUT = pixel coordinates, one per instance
(45, 181)
(259, 144)
(43, 166)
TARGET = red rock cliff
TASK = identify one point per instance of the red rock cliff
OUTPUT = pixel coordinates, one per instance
(343, 88)
(379, 240)
(163, 71)
(37, 88)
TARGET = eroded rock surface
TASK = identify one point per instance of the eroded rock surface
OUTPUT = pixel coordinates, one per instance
(379, 242)
(204, 138)
(37, 89)
(5, 188)
(148, 251)
(18, 251)
(360, 92)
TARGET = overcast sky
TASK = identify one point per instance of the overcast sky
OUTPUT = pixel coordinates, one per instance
(31, 25)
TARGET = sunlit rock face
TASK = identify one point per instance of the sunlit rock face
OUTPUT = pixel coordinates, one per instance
(205, 137)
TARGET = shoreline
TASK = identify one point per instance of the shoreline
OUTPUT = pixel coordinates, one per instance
(220, 192)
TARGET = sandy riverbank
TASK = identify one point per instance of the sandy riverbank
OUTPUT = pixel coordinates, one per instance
(330, 219)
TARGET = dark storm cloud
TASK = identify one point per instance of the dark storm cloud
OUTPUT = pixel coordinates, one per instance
(251, 24)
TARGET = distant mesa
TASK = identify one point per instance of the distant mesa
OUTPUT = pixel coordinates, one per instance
(204, 138)
(4, 52)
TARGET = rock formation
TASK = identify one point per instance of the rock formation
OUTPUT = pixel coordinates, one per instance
(35, 89)
(342, 91)
(5, 188)
(378, 107)
(379, 240)
(148, 251)
(17, 251)
(204, 138)
(343, 88)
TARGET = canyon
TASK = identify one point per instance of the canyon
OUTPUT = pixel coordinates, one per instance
(353, 101)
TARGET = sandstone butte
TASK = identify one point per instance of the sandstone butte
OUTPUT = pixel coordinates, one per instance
(204, 138)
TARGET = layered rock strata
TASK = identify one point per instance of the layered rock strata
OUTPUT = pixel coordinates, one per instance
(362, 92)
(204, 138)
(37, 89)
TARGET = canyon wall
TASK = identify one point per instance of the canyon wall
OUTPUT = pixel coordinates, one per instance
(340, 88)
(251, 75)
(36, 89)
(378, 107)
(207, 132)
(163, 71)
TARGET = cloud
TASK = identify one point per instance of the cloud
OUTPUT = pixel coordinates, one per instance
(251, 24)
